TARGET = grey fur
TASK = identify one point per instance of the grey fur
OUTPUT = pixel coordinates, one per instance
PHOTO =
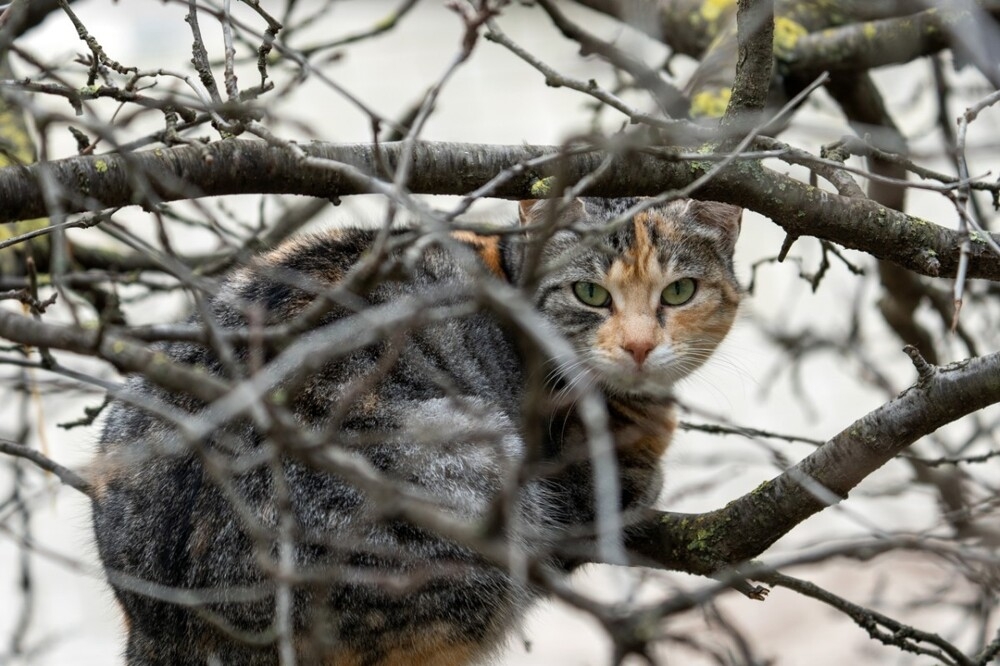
(189, 531)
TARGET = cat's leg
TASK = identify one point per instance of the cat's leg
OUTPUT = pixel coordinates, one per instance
(145, 650)
(428, 648)
(141, 651)
(397, 593)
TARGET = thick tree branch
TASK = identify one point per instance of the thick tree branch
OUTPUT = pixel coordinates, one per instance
(123, 354)
(861, 46)
(755, 38)
(98, 182)
(690, 26)
(709, 542)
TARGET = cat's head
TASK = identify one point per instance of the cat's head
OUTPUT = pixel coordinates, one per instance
(646, 303)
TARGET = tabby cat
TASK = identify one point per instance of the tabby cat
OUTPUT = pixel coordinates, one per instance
(236, 534)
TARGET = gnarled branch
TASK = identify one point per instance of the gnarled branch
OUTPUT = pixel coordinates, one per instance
(94, 183)
(709, 542)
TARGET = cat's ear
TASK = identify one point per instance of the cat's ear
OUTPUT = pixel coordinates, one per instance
(724, 218)
(524, 208)
(532, 210)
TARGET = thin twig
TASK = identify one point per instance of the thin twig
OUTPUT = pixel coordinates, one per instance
(880, 627)
(66, 475)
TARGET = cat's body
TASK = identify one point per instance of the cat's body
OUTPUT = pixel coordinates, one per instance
(437, 410)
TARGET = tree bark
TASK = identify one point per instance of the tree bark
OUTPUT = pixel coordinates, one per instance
(149, 178)
(710, 542)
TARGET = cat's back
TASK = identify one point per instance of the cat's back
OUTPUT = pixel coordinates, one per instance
(407, 375)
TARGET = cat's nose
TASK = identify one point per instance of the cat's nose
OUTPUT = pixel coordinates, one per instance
(639, 349)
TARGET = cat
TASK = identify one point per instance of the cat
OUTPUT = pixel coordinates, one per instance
(401, 376)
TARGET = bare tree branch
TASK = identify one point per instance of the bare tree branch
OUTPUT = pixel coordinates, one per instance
(124, 355)
(880, 627)
(441, 168)
(66, 475)
(755, 36)
(746, 527)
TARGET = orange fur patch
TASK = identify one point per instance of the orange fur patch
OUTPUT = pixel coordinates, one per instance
(633, 323)
(103, 471)
(433, 647)
(707, 317)
(643, 435)
(488, 248)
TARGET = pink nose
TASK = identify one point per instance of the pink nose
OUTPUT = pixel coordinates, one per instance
(639, 350)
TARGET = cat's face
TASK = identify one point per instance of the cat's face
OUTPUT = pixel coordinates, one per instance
(646, 304)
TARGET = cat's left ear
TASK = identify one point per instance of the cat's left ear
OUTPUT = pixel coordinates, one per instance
(524, 210)
(724, 218)
(532, 210)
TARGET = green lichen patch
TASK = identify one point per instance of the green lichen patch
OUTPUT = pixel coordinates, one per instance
(710, 103)
(542, 188)
(712, 10)
(705, 535)
(712, 17)
(787, 34)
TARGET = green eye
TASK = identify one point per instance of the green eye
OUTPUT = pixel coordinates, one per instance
(592, 294)
(678, 293)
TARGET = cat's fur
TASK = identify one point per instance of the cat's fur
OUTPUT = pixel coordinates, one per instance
(438, 410)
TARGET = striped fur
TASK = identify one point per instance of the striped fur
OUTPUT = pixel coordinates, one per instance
(188, 531)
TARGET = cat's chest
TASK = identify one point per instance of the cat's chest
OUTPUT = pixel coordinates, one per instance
(642, 432)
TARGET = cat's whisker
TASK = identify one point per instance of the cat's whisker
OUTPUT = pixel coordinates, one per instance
(572, 387)
(565, 367)
(574, 368)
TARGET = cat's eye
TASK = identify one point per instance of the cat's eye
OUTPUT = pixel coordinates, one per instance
(592, 294)
(678, 293)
